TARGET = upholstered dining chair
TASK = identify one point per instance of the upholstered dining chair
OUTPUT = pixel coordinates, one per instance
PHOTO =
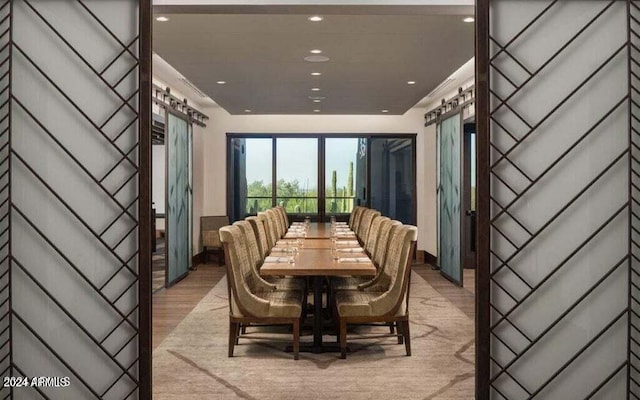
(256, 261)
(277, 217)
(388, 301)
(352, 216)
(276, 227)
(249, 303)
(357, 215)
(261, 235)
(272, 237)
(374, 233)
(365, 224)
(377, 256)
(283, 216)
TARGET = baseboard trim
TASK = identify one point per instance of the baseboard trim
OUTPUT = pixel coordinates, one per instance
(197, 259)
(426, 257)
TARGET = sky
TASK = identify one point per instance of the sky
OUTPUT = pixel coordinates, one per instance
(298, 159)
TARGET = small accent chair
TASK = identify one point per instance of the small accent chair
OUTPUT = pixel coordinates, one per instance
(249, 301)
(373, 304)
(209, 226)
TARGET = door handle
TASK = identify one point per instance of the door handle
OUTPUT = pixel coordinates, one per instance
(470, 213)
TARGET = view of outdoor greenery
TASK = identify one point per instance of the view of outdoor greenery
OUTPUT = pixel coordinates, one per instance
(297, 191)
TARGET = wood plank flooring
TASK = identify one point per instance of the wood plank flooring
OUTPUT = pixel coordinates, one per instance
(171, 306)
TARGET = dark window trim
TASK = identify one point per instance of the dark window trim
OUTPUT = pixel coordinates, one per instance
(321, 214)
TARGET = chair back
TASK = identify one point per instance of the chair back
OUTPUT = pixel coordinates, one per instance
(397, 270)
(209, 226)
(269, 228)
(374, 234)
(365, 224)
(261, 235)
(278, 229)
(283, 216)
(241, 287)
(250, 242)
(352, 216)
(382, 245)
(356, 218)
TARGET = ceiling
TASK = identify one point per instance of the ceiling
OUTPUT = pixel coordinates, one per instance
(261, 58)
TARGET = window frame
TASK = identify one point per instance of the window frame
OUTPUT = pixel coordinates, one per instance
(322, 215)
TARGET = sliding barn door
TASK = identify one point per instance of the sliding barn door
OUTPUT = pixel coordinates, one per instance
(558, 124)
(449, 142)
(74, 198)
(178, 198)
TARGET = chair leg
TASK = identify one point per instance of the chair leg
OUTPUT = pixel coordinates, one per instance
(407, 336)
(399, 329)
(233, 336)
(343, 338)
(296, 338)
(391, 327)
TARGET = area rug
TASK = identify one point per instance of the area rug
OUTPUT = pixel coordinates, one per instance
(192, 362)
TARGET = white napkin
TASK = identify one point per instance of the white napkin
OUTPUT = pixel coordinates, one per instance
(351, 250)
(340, 223)
(344, 234)
(347, 243)
(291, 235)
(272, 259)
(354, 260)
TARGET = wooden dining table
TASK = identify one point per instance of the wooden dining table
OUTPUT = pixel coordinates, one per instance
(315, 260)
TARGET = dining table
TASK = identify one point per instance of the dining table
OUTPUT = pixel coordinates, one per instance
(315, 259)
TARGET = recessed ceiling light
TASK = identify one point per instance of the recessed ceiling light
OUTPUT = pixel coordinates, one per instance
(247, 111)
(411, 82)
(317, 101)
(385, 110)
(315, 18)
(468, 19)
(221, 82)
(316, 73)
(316, 110)
(162, 19)
(316, 58)
(315, 89)
(315, 51)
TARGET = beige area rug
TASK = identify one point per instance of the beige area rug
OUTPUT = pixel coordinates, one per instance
(192, 362)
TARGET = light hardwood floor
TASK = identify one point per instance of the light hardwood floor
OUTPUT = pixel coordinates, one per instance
(171, 306)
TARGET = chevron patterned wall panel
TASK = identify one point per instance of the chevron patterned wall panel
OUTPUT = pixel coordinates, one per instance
(70, 171)
(560, 204)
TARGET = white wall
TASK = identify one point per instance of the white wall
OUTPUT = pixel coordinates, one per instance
(221, 123)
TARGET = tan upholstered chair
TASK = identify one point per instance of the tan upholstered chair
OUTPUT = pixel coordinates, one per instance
(378, 257)
(365, 224)
(285, 218)
(275, 216)
(209, 226)
(352, 216)
(357, 214)
(272, 237)
(261, 235)
(249, 302)
(256, 261)
(366, 306)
